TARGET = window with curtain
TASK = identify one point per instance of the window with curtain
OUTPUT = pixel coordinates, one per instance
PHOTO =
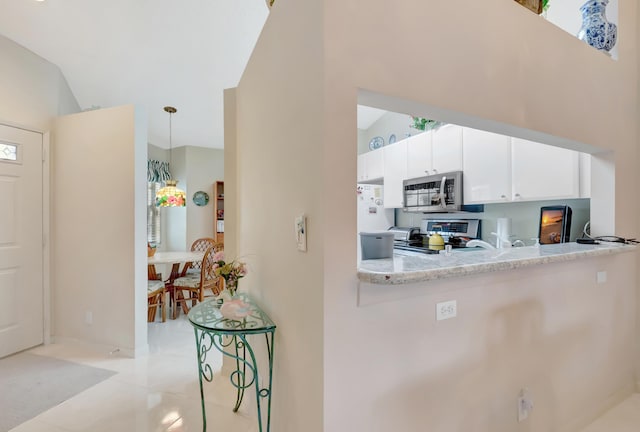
(157, 172)
(153, 214)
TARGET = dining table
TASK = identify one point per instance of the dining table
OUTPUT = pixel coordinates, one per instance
(175, 259)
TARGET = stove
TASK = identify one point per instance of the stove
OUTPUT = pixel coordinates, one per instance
(419, 246)
(455, 232)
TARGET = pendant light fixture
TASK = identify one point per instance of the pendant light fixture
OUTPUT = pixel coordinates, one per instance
(170, 195)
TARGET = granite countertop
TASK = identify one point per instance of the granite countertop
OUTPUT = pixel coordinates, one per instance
(407, 268)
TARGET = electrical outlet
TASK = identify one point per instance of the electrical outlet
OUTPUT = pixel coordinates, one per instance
(301, 232)
(525, 404)
(601, 277)
(88, 318)
(446, 310)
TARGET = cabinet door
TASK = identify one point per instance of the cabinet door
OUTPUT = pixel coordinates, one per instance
(447, 149)
(370, 166)
(419, 155)
(542, 171)
(486, 163)
(395, 171)
(361, 167)
(374, 164)
(585, 175)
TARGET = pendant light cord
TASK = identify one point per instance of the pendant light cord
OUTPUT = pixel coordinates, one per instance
(171, 110)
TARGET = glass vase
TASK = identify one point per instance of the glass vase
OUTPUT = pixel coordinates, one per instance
(596, 30)
(231, 285)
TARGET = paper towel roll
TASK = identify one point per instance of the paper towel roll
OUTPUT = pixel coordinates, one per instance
(503, 229)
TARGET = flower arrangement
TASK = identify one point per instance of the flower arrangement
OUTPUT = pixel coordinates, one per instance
(230, 271)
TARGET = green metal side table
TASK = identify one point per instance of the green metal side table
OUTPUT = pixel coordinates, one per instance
(229, 336)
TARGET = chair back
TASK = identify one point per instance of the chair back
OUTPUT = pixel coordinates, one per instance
(201, 245)
(208, 278)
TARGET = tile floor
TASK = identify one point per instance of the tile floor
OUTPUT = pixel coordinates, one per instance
(160, 392)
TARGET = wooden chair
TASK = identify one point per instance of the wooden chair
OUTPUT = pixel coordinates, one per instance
(195, 285)
(201, 245)
(156, 293)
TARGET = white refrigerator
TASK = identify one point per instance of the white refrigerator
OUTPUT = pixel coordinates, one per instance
(372, 216)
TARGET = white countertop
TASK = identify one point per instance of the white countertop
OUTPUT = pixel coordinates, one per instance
(406, 268)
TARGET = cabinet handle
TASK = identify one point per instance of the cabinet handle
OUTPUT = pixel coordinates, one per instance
(426, 172)
(503, 196)
(435, 171)
(517, 195)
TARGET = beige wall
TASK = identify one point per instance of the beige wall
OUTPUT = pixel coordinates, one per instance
(99, 228)
(389, 365)
(280, 166)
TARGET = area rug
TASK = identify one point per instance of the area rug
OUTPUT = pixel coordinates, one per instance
(31, 384)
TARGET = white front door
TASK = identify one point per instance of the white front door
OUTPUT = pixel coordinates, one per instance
(21, 265)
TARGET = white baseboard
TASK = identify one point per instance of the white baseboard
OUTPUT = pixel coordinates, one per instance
(588, 417)
(102, 348)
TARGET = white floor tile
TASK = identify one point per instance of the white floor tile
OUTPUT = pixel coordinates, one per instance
(159, 392)
(36, 425)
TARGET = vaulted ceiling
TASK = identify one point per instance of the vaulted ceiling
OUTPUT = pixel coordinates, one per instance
(147, 52)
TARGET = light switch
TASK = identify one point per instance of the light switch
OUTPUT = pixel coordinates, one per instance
(301, 232)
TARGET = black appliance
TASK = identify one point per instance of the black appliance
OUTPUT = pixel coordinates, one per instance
(555, 224)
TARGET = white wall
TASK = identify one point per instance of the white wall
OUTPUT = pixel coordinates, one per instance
(389, 366)
(175, 218)
(99, 226)
(33, 91)
(566, 15)
(390, 123)
(204, 167)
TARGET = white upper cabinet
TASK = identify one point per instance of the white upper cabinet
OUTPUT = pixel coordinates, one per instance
(585, 175)
(395, 171)
(541, 171)
(371, 166)
(446, 152)
(486, 166)
(419, 155)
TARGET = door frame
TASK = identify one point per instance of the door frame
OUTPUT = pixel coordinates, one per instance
(46, 226)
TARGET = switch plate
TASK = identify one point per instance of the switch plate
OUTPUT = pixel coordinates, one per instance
(301, 232)
(446, 310)
(525, 404)
(88, 318)
(601, 277)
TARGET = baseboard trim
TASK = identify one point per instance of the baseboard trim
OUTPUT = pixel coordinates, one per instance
(103, 348)
(583, 421)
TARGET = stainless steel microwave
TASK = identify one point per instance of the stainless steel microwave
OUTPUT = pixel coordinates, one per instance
(439, 193)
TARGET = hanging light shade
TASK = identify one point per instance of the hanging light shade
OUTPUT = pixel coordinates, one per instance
(170, 195)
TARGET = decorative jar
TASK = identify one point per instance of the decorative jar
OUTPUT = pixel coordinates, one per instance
(596, 30)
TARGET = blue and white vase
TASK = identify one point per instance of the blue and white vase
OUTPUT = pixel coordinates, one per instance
(596, 30)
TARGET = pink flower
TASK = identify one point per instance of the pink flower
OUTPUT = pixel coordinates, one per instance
(218, 256)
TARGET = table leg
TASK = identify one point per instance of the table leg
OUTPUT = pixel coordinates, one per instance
(207, 340)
